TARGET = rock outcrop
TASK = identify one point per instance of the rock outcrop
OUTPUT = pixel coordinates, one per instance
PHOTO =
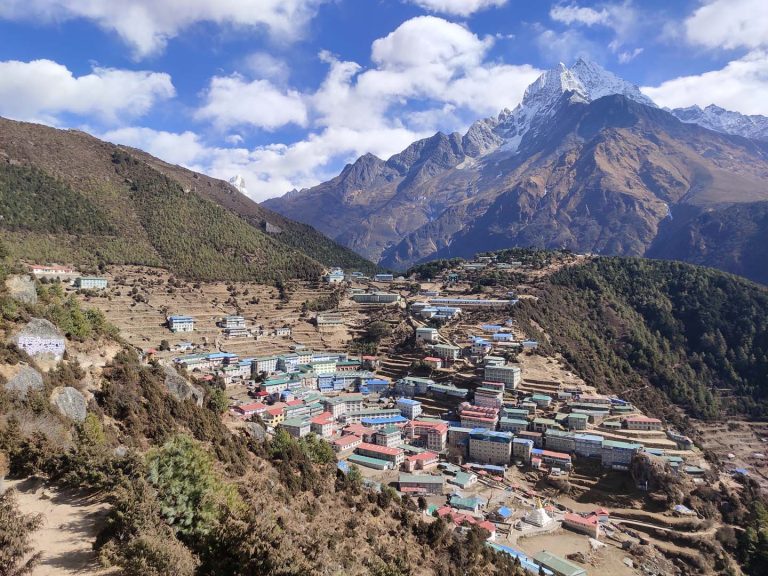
(180, 388)
(70, 402)
(25, 380)
(21, 287)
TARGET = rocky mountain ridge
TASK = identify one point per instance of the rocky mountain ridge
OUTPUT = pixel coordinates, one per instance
(585, 162)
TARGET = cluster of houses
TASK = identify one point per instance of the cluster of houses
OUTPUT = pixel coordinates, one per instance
(232, 326)
(63, 273)
(337, 276)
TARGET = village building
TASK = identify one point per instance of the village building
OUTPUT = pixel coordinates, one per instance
(335, 276)
(420, 483)
(233, 322)
(511, 376)
(446, 351)
(589, 524)
(388, 436)
(296, 427)
(642, 423)
(376, 298)
(409, 408)
(433, 362)
(618, 455)
(522, 449)
(181, 323)
(251, 409)
(427, 335)
(558, 566)
(90, 283)
(322, 424)
(329, 319)
(264, 364)
(420, 461)
(389, 453)
(463, 479)
(383, 278)
(489, 447)
(52, 272)
(346, 443)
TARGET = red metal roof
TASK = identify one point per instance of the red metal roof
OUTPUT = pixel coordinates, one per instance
(380, 449)
(346, 440)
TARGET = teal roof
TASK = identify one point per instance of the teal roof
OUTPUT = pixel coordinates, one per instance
(559, 565)
(420, 478)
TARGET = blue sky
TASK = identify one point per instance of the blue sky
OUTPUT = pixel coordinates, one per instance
(285, 92)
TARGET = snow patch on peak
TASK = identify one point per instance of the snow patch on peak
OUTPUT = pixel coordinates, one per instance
(719, 119)
(599, 82)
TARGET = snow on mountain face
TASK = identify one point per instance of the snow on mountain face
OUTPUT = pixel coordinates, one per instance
(727, 121)
(586, 80)
(239, 182)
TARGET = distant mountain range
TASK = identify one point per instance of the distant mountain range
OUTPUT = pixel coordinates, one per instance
(585, 162)
(68, 197)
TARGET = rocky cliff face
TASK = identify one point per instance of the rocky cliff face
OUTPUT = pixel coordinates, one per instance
(585, 162)
(727, 121)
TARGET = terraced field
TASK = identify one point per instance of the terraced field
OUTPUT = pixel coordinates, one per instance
(139, 299)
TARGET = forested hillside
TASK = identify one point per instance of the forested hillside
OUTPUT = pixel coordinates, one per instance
(67, 197)
(656, 330)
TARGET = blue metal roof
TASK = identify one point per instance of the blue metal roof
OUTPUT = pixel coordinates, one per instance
(383, 420)
(528, 564)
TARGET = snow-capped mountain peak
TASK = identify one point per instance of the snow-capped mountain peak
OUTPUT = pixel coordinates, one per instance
(585, 81)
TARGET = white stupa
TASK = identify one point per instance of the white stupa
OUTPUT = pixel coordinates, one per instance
(538, 516)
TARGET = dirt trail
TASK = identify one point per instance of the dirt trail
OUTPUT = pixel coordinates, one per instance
(70, 525)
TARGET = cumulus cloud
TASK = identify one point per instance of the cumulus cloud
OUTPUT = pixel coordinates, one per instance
(428, 74)
(147, 25)
(623, 19)
(458, 7)
(579, 14)
(566, 46)
(729, 24)
(43, 90)
(234, 101)
(741, 85)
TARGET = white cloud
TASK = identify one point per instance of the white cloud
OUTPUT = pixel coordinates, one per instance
(729, 24)
(623, 19)
(233, 101)
(43, 90)
(741, 85)
(264, 65)
(566, 46)
(147, 25)
(629, 55)
(581, 15)
(425, 75)
(458, 7)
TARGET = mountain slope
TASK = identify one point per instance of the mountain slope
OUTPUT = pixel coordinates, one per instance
(586, 162)
(661, 334)
(106, 204)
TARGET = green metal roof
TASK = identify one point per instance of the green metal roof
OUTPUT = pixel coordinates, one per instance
(560, 566)
(420, 478)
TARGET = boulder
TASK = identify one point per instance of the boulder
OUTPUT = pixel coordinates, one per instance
(70, 402)
(256, 431)
(22, 288)
(26, 379)
(180, 388)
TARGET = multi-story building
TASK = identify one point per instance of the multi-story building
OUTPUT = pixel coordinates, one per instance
(383, 278)
(560, 441)
(489, 447)
(513, 425)
(489, 396)
(376, 298)
(577, 421)
(618, 455)
(329, 319)
(553, 459)
(588, 445)
(264, 364)
(409, 408)
(322, 424)
(642, 423)
(427, 335)
(90, 283)
(233, 322)
(323, 366)
(388, 436)
(296, 427)
(446, 351)
(478, 416)
(411, 386)
(421, 483)
(522, 448)
(181, 323)
(335, 276)
(420, 461)
(511, 376)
